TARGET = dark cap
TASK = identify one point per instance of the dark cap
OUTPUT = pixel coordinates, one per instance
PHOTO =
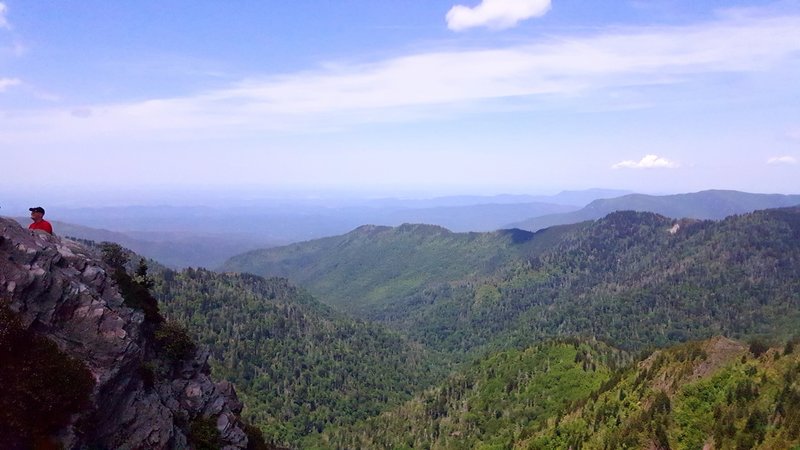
(38, 209)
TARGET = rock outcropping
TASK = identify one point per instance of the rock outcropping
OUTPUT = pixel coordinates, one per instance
(63, 292)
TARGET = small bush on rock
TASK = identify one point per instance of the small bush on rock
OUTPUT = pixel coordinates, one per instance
(40, 386)
(174, 341)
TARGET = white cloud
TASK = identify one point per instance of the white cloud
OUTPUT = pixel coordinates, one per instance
(782, 160)
(648, 162)
(495, 14)
(438, 84)
(5, 83)
(3, 21)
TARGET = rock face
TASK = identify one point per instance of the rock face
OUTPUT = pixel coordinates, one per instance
(64, 293)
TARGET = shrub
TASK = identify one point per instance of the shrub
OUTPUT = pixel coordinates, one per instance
(758, 347)
(204, 435)
(174, 341)
(255, 439)
(147, 372)
(41, 387)
(136, 291)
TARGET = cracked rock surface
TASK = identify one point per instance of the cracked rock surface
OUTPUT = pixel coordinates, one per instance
(62, 291)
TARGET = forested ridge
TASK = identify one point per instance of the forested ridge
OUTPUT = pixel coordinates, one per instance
(634, 279)
(574, 394)
(712, 204)
(298, 365)
(716, 394)
(363, 270)
(490, 403)
(310, 376)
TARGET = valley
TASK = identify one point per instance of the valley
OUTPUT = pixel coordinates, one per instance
(606, 333)
(461, 305)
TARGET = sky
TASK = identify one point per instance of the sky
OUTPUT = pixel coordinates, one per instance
(416, 96)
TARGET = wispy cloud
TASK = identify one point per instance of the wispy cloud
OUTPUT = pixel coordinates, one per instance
(441, 83)
(5, 83)
(786, 159)
(495, 14)
(648, 162)
(3, 12)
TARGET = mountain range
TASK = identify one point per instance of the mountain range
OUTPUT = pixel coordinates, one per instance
(194, 236)
(711, 204)
(489, 303)
(416, 336)
(670, 279)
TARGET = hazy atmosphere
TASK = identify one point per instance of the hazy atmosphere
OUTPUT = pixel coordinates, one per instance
(400, 224)
(115, 102)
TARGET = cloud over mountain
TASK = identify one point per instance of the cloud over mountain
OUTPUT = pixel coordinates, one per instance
(495, 14)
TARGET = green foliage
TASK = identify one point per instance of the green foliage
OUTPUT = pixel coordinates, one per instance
(758, 347)
(299, 367)
(173, 339)
(41, 386)
(678, 401)
(625, 279)
(114, 255)
(788, 349)
(367, 268)
(255, 438)
(204, 435)
(491, 403)
(141, 277)
(135, 291)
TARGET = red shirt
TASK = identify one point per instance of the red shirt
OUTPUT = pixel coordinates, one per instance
(41, 225)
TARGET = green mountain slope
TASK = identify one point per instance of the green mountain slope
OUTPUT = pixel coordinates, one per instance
(711, 204)
(299, 367)
(712, 394)
(372, 265)
(635, 279)
(703, 394)
(491, 403)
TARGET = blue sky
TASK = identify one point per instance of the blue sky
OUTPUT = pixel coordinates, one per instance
(426, 96)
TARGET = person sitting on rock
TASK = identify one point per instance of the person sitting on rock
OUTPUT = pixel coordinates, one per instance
(37, 214)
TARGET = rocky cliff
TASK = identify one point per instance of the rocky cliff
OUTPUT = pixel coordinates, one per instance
(58, 289)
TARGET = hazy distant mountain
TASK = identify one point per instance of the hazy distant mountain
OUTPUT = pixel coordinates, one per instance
(583, 197)
(285, 220)
(711, 204)
(479, 217)
(174, 249)
(569, 198)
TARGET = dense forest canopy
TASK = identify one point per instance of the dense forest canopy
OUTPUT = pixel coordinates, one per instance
(469, 313)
